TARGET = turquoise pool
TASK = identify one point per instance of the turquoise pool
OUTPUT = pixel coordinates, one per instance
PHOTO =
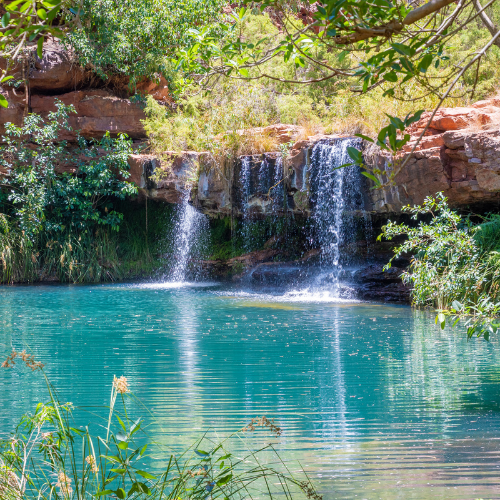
(373, 400)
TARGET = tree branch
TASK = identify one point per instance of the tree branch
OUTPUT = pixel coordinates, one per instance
(394, 26)
(489, 24)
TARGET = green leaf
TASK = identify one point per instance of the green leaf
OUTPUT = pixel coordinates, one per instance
(120, 421)
(224, 480)
(243, 72)
(456, 305)
(144, 488)
(441, 320)
(202, 453)
(5, 19)
(424, 64)
(3, 102)
(390, 77)
(120, 493)
(42, 14)
(371, 177)
(364, 137)
(403, 49)
(39, 47)
(145, 475)
(118, 471)
(133, 489)
(51, 15)
(342, 55)
(136, 426)
(103, 492)
(12, 6)
(6, 79)
(123, 445)
(355, 154)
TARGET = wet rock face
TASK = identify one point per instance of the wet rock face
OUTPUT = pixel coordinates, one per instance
(168, 178)
(459, 155)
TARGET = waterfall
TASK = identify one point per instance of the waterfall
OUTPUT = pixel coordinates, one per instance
(190, 227)
(335, 195)
(245, 186)
(278, 189)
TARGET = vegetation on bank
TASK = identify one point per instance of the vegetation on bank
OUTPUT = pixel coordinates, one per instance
(58, 202)
(455, 264)
(207, 118)
(51, 457)
(136, 39)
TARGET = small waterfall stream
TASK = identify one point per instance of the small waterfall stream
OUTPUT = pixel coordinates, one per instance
(336, 195)
(245, 185)
(188, 237)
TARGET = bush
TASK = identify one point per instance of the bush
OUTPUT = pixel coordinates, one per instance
(60, 224)
(135, 38)
(454, 264)
(42, 199)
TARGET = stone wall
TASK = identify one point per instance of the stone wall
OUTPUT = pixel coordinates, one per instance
(459, 155)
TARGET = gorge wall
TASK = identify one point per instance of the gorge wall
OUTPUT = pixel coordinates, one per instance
(458, 155)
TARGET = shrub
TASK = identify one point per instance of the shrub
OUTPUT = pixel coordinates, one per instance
(44, 200)
(135, 38)
(454, 266)
(60, 224)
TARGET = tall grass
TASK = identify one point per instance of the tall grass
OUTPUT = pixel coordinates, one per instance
(97, 255)
(49, 458)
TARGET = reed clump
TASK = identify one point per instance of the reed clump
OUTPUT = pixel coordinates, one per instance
(49, 457)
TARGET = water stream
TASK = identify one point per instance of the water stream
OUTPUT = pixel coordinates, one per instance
(246, 189)
(336, 196)
(191, 227)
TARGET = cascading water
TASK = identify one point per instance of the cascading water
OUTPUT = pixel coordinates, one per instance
(190, 227)
(278, 190)
(336, 196)
(245, 186)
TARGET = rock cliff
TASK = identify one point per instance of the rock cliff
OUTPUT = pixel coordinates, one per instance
(459, 153)
(100, 105)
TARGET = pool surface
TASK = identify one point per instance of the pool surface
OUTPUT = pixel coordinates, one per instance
(374, 400)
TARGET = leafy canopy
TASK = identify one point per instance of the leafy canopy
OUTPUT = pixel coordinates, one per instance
(136, 37)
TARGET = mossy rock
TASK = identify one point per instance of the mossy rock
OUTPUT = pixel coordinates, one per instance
(301, 200)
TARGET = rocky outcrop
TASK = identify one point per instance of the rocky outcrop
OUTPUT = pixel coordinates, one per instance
(168, 178)
(459, 155)
(97, 112)
(101, 106)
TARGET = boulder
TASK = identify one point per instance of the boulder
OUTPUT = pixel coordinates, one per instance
(97, 112)
(56, 72)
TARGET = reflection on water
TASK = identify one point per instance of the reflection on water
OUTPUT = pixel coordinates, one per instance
(374, 401)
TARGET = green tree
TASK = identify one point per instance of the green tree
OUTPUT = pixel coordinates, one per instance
(42, 199)
(136, 38)
(385, 44)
